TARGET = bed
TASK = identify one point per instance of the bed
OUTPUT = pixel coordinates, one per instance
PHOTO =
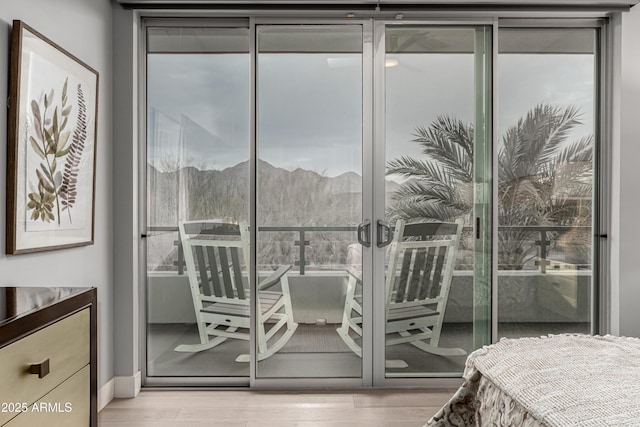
(559, 380)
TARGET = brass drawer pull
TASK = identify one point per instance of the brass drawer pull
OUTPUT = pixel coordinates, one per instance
(41, 369)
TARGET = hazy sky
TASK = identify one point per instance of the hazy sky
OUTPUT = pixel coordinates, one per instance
(310, 105)
(310, 111)
(208, 95)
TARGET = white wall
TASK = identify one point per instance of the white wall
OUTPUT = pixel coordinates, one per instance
(627, 238)
(84, 28)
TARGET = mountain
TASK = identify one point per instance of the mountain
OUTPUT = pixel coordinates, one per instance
(348, 182)
(286, 198)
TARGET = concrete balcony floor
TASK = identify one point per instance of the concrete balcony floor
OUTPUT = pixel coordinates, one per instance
(316, 351)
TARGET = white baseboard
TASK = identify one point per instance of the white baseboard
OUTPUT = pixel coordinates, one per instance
(127, 387)
(105, 394)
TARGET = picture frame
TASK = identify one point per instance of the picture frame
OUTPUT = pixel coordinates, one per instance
(51, 146)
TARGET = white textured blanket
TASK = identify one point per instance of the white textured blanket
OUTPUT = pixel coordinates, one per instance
(567, 380)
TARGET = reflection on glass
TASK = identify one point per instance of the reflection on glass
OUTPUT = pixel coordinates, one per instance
(545, 154)
(198, 103)
(309, 139)
(432, 92)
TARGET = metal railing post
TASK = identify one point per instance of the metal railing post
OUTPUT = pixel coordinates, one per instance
(303, 244)
(542, 262)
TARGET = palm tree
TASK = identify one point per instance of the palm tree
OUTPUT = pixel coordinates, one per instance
(540, 177)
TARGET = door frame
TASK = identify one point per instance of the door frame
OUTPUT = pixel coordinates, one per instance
(374, 377)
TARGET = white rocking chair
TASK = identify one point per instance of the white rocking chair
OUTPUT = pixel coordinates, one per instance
(421, 263)
(220, 295)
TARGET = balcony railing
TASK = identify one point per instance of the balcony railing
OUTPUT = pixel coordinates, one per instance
(542, 243)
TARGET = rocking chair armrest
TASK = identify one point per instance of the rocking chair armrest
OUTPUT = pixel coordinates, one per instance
(273, 278)
(355, 273)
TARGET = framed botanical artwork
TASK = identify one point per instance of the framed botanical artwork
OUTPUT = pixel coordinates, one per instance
(51, 147)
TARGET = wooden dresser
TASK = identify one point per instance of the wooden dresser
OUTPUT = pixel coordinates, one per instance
(48, 352)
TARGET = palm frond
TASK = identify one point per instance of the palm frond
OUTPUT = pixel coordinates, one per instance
(578, 151)
(558, 128)
(427, 171)
(409, 167)
(535, 139)
(450, 142)
(418, 192)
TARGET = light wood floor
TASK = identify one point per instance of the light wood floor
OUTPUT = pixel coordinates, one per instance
(397, 408)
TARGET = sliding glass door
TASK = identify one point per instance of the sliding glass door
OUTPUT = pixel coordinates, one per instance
(198, 143)
(336, 203)
(309, 138)
(437, 174)
(546, 156)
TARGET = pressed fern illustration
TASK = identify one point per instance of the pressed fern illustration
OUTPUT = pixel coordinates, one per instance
(48, 139)
(68, 191)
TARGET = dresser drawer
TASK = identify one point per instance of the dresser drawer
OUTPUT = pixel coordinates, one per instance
(65, 406)
(65, 343)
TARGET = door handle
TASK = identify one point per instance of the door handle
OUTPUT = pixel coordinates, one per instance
(384, 227)
(364, 233)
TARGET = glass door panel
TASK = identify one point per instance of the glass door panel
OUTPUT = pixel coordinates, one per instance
(309, 191)
(198, 121)
(548, 123)
(438, 170)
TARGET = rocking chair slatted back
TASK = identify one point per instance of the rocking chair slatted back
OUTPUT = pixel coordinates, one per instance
(425, 254)
(213, 253)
